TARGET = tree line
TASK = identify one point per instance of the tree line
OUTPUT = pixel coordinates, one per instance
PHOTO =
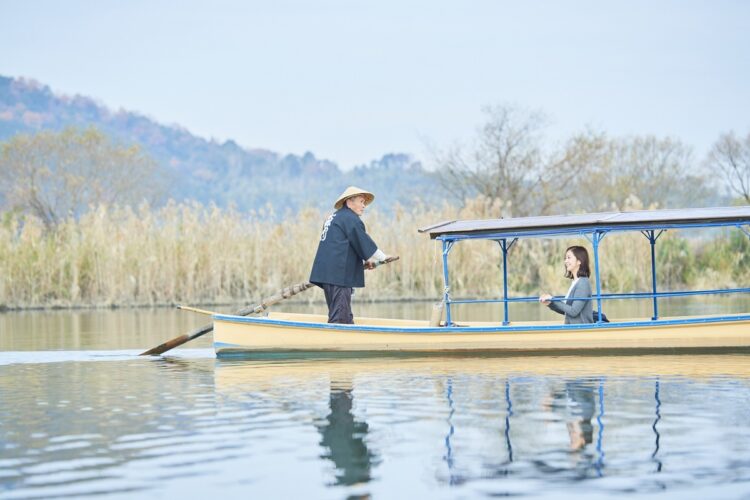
(83, 219)
(510, 163)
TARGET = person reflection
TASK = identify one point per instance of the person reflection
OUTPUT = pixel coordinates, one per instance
(345, 439)
(577, 402)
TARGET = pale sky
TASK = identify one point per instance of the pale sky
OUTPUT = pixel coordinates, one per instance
(351, 80)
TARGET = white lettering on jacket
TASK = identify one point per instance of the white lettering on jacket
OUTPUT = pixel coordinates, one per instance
(326, 225)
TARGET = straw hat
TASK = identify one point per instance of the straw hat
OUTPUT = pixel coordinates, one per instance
(353, 191)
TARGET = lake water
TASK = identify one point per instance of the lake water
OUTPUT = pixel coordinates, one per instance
(81, 414)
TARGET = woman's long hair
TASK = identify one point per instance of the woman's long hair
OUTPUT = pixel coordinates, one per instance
(582, 255)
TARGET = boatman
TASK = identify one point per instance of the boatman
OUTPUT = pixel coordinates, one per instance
(344, 251)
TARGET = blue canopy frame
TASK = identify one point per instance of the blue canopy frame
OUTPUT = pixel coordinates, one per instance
(593, 227)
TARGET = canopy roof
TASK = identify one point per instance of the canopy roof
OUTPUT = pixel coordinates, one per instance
(558, 224)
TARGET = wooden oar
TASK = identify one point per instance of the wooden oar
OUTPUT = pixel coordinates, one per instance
(278, 297)
(196, 310)
(265, 304)
(386, 261)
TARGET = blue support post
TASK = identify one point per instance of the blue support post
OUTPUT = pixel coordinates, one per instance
(505, 248)
(446, 282)
(596, 238)
(652, 237)
(652, 241)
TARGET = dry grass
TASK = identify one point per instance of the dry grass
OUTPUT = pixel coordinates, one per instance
(188, 253)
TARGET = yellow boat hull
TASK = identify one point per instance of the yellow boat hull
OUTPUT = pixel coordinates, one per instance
(305, 333)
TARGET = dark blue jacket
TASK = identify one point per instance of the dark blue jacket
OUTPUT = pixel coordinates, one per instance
(344, 244)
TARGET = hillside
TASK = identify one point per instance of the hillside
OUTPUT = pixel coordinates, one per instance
(212, 172)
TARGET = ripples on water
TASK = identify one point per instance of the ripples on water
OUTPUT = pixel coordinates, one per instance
(76, 423)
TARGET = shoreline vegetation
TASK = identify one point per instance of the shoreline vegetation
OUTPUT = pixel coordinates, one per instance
(188, 253)
(72, 234)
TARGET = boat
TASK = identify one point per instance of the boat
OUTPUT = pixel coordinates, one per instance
(289, 334)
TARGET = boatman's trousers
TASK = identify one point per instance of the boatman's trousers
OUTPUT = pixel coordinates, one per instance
(339, 300)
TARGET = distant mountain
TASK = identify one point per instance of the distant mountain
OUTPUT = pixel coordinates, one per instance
(208, 171)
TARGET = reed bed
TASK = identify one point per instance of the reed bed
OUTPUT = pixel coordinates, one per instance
(195, 254)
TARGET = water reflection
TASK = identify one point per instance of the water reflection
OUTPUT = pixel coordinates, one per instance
(657, 411)
(445, 426)
(576, 401)
(75, 428)
(448, 457)
(573, 402)
(345, 438)
(508, 414)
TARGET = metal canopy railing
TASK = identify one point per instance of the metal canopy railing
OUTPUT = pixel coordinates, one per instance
(651, 226)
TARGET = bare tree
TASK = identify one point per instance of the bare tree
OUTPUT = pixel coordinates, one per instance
(568, 187)
(658, 172)
(731, 156)
(58, 174)
(508, 163)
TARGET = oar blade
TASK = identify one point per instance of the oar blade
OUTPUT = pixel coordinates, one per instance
(170, 344)
(178, 341)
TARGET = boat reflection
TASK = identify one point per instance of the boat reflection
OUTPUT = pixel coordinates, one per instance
(491, 417)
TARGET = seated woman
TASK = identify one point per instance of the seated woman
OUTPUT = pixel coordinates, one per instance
(576, 268)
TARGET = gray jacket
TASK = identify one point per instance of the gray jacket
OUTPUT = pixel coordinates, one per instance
(576, 311)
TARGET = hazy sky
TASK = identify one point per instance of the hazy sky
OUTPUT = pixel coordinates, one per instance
(352, 80)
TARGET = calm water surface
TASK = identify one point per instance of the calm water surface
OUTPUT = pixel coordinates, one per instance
(81, 414)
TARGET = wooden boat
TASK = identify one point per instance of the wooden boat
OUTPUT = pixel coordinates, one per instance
(300, 334)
